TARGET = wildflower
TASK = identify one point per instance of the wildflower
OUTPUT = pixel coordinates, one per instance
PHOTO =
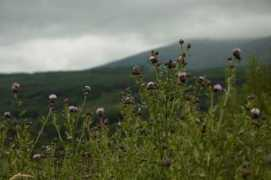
(136, 70)
(201, 79)
(15, 88)
(188, 46)
(151, 85)
(73, 109)
(182, 77)
(36, 156)
(100, 111)
(52, 98)
(7, 115)
(237, 53)
(128, 100)
(170, 64)
(217, 88)
(181, 60)
(255, 113)
(181, 42)
(86, 90)
(154, 57)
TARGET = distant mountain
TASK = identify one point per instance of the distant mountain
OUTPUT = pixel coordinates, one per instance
(206, 53)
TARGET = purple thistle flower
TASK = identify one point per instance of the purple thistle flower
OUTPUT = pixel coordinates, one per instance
(15, 87)
(7, 115)
(52, 97)
(136, 70)
(73, 109)
(86, 90)
(182, 77)
(255, 113)
(218, 88)
(100, 111)
(237, 53)
(151, 85)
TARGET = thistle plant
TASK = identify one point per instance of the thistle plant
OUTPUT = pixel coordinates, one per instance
(172, 126)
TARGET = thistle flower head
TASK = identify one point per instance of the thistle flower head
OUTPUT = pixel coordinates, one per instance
(154, 57)
(237, 53)
(182, 77)
(202, 78)
(86, 90)
(255, 113)
(218, 88)
(128, 100)
(36, 156)
(136, 70)
(181, 42)
(100, 111)
(15, 87)
(189, 46)
(151, 85)
(52, 97)
(7, 115)
(73, 109)
(170, 64)
(181, 60)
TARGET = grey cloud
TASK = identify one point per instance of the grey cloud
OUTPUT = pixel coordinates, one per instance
(29, 24)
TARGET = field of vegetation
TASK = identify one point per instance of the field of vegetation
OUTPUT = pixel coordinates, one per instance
(172, 125)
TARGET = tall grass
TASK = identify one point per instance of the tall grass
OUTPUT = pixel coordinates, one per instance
(175, 127)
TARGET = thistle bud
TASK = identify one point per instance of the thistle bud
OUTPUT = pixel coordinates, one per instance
(73, 109)
(15, 88)
(255, 113)
(182, 77)
(181, 42)
(136, 71)
(237, 53)
(218, 88)
(151, 85)
(188, 46)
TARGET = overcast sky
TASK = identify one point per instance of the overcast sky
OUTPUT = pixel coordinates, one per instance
(42, 35)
